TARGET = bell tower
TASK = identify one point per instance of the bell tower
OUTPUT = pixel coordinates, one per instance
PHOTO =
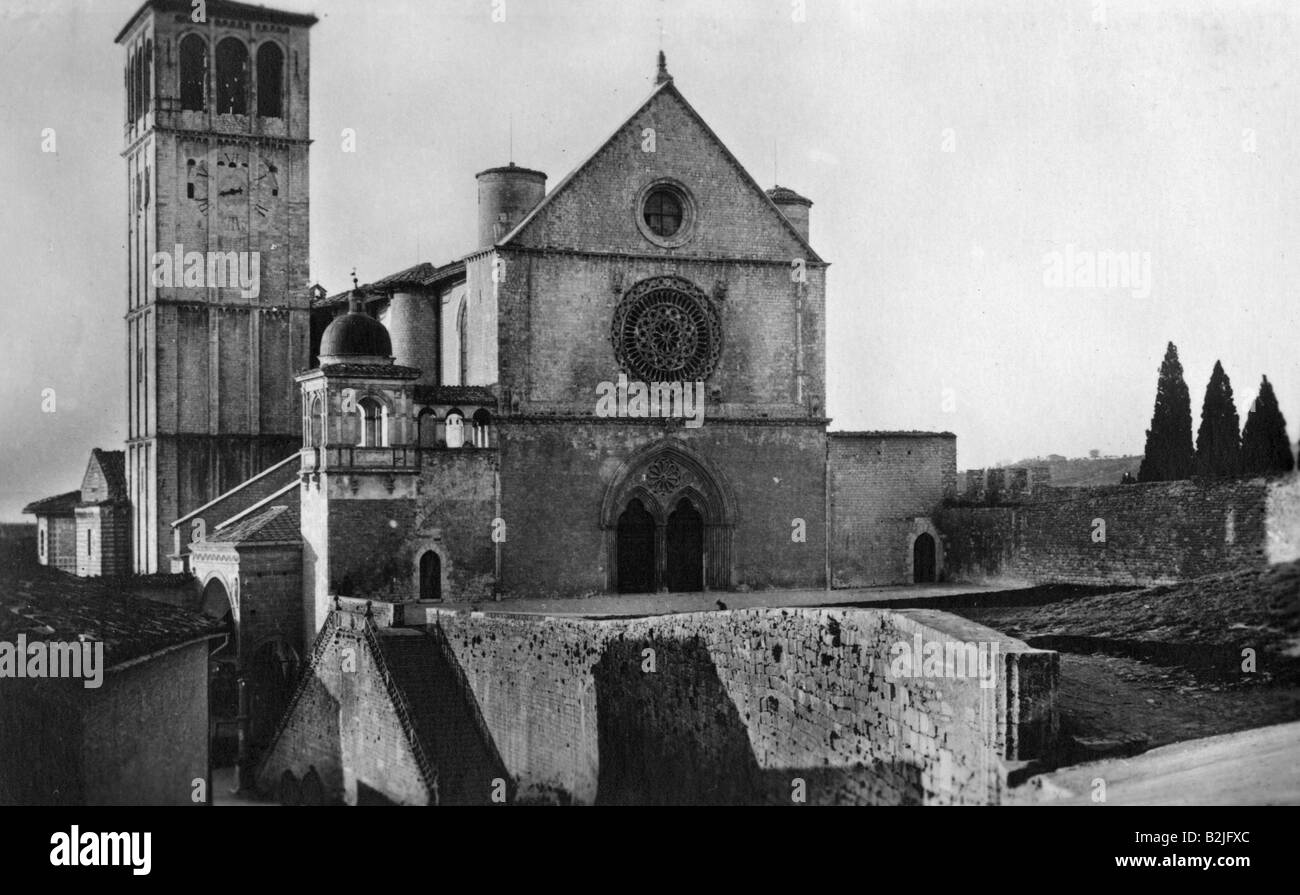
(216, 149)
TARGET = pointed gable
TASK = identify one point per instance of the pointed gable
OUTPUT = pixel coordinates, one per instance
(105, 479)
(597, 207)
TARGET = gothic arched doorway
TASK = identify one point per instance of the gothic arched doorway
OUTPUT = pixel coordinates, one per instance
(431, 576)
(923, 559)
(636, 549)
(684, 540)
(669, 516)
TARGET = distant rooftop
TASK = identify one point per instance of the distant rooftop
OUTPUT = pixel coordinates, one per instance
(58, 505)
(419, 276)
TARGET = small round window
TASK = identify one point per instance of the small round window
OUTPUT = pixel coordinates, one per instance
(663, 212)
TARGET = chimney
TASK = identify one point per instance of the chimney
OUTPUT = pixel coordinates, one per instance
(505, 196)
(793, 206)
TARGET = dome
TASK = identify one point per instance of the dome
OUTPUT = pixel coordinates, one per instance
(353, 336)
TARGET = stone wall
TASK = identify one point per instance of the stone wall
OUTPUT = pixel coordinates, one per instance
(753, 706)
(1282, 521)
(552, 361)
(266, 583)
(108, 526)
(1126, 534)
(61, 542)
(127, 761)
(884, 489)
(64, 744)
(343, 724)
(555, 475)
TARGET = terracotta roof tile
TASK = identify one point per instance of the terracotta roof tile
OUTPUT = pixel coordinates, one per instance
(277, 523)
(420, 275)
(455, 394)
(50, 605)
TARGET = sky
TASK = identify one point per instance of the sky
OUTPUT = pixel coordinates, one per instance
(950, 149)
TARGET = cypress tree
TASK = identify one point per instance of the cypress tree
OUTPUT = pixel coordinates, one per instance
(1264, 445)
(1168, 454)
(1218, 440)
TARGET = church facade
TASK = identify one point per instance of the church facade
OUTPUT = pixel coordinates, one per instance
(621, 389)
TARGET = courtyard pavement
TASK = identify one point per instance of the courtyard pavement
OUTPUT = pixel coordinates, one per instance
(1250, 767)
(610, 605)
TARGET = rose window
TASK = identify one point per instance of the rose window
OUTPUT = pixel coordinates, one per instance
(665, 330)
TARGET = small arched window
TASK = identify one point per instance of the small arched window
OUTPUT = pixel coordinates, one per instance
(428, 424)
(270, 81)
(482, 428)
(315, 422)
(372, 422)
(455, 429)
(194, 73)
(232, 77)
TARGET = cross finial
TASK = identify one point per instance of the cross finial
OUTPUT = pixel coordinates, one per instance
(355, 303)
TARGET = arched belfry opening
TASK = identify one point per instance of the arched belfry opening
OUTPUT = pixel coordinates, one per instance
(924, 559)
(232, 77)
(669, 519)
(194, 73)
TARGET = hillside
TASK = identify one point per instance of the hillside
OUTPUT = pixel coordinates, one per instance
(1085, 470)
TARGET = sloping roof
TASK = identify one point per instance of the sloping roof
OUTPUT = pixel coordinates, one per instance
(248, 493)
(370, 371)
(455, 394)
(665, 87)
(114, 465)
(57, 608)
(419, 276)
(110, 467)
(277, 524)
(58, 505)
